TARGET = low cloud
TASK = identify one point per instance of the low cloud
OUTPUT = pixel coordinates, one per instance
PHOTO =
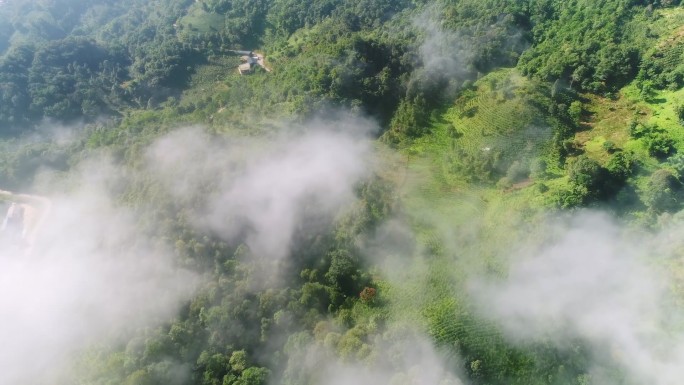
(451, 57)
(444, 54)
(406, 358)
(263, 190)
(82, 273)
(594, 281)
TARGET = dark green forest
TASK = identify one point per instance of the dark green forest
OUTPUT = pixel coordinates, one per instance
(486, 121)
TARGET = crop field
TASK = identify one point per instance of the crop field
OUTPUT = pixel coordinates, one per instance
(498, 121)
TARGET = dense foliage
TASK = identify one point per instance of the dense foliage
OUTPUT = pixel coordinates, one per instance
(486, 93)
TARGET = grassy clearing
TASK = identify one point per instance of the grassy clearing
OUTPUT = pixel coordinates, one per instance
(669, 22)
(659, 111)
(608, 120)
(663, 105)
(199, 21)
(496, 117)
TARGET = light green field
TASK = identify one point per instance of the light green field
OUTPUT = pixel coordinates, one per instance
(464, 228)
(198, 20)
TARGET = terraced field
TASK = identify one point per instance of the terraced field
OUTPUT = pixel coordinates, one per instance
(500, 120)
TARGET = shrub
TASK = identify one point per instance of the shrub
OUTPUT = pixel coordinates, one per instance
(621, 165)
(677, 164)
(572, 197)
(517, 171)
(679, 111)
(538, 169)
(609, 146)
(504, 183)
(584, 171)
(662, 191)
(575, 112)
(660, 145)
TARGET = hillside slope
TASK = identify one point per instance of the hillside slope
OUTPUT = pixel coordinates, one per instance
(419, 192)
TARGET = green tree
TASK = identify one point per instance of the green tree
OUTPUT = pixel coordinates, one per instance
(344, 274)
(215, 367)
(679, 111)
(409, 120)
(621, 165)
(575, 112)
(662, 191)
(238, 361)
(139, 377)
(609, 146)
(660, 145)
(586, 172)
(254, 376)
(647, 90)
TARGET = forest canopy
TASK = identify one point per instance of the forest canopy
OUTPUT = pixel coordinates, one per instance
(265, 192)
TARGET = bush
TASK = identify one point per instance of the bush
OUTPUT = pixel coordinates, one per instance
(679, 111)
(662, 191)
(572, 197)
(538, 169)
(677, 164)
(621, 165)
(586, 172)
(517, 172)
(575, 112)
(660, 145)
(542, 188)
(636, 129)
(504, 183)
(609, 146)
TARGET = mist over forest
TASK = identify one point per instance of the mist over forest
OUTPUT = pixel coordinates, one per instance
(328, 192)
